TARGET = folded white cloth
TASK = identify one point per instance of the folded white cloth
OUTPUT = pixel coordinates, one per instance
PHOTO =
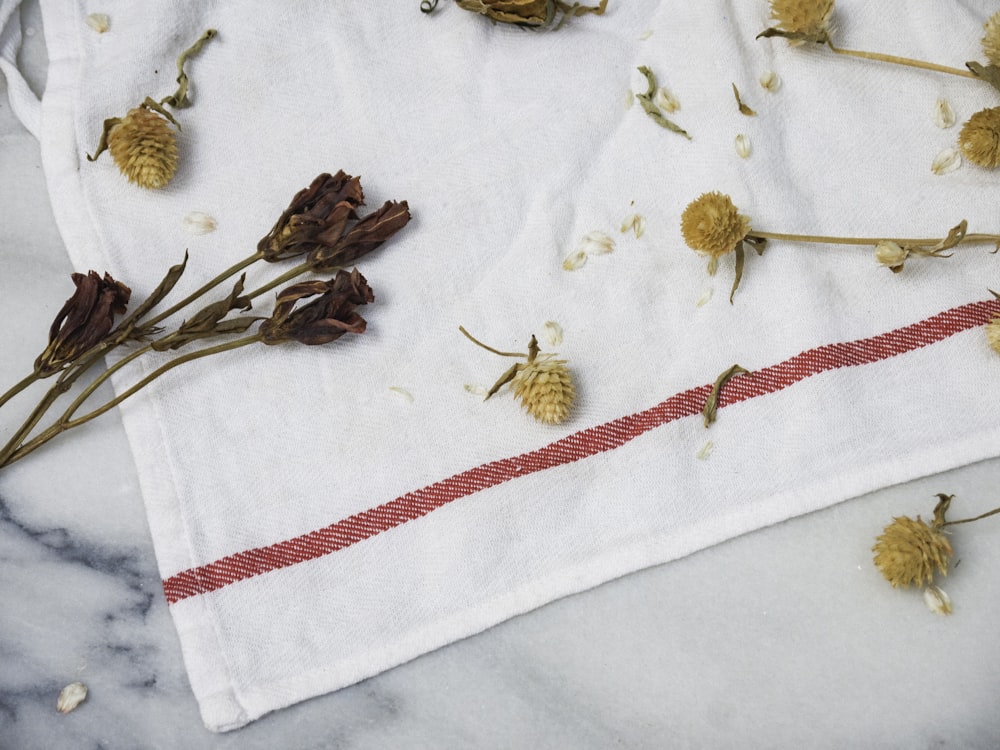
(321, 514)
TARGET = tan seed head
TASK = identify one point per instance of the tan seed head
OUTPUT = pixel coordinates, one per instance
(979, 138)
(908, 551)
(993, 333)
(811, 17)
(545, 388)
(712, 225)
(144, 146)
(991, 42)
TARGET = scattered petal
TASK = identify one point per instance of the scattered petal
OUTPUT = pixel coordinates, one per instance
(574, 260)
(596, 243)
(937, 600)
(891, 255)
(947, 161)
(665, 100)
(476, 390)
(634, 222)
(770, 81)
(197, 222)
(706, 451)
(645, 35)
(553, 333)
(743, 145)
(944, 115)
(70, 697)
(705, 297)
(629, 99)
(99, 22)
(402, 393)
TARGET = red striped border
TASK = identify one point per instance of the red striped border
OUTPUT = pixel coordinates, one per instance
(604, 437)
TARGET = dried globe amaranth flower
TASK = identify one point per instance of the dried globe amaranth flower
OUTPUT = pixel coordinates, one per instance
(991, 42)
(525, 13)
(979, 138)
(803, 20)
(143, 144)
(712, 225)
(543, 383)
(908, 552)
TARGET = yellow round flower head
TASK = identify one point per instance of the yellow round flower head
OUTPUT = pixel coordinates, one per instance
(908, 551)
(144, 146)
(991, 42)
(980, 138)
(712, 225)
(545, 388)
(810, 17)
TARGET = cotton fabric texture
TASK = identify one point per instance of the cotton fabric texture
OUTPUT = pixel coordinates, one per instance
(312, 525)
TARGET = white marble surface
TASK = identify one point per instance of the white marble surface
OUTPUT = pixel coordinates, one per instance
(787, 637)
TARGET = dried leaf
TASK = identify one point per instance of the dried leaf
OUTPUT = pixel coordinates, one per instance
(712, 404)
(988, 73)
(744, 109)
(650, 107)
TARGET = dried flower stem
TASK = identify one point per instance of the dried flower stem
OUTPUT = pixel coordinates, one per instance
(9, 455)
(287, 276)
(476, 341)
(969, 238)
(896, 60)
(970, 520)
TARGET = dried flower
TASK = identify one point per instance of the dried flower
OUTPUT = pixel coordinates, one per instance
(770, 81)
(891, 255)
(70, 697)
(944, 115)
(908, 551)
(84, 320)
(991, 42)
(743, 146)
(937, 600)
(993, 333)
(143, 145)
(198, 222)
(368, 234)
(712, 225)
(542, 383)
(316, 217)
(947, 161)
(808, 18)
(99, 22)
(530, 13)
(979, 138)
(326, 318)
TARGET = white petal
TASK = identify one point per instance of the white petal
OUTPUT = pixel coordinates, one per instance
(596, 243)
(705, 297)
(634, 222)
(770, 81)
(706, 451)
(553, 333)
(629, 99)
(944, 115)
(402, 393)
(197, 222)
(99, 22)
(475, 390)
(70, 697)
(947, 161)
(574, 260)
(665, 100)
(937, 600)
(743, 145)
(645, 35)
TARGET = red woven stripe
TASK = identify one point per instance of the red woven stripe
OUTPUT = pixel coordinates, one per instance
(604, 437)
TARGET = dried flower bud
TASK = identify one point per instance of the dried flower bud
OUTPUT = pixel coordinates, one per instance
(947, 161)
(891, 255)
(993, 333)
(367, 235)
(534, 13)
(545, 388)
(326, 318)
(712, 225)
(991, 42)
(908, 551)
(316, 217)
(743, 146)
(979, 138)
(944, 115)
(770, 81)
(810, 18)
(84, 320)
(70, 697)
(144, 145)
(937, 600)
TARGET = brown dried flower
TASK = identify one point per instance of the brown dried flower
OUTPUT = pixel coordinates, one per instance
(980, 138)
(810, 18)
(144, 145)
(315, 218)
(326, 318)
(368, 234)
(712, 225)
(84, 320)
(991, 42)
(908, 551)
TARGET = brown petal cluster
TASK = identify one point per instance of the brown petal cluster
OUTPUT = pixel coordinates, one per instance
(318, 224)
(84, 320)
(327, 317)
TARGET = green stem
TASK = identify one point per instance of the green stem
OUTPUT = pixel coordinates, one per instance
(67, 424)
(18, 387)
(100, 379)
(901, 61)
(278, 281)
(970, 520)
(208, 286)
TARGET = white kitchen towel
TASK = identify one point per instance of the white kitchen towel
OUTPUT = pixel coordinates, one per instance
(321, 514)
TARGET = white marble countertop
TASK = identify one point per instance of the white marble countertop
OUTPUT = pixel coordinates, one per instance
(787, 637)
